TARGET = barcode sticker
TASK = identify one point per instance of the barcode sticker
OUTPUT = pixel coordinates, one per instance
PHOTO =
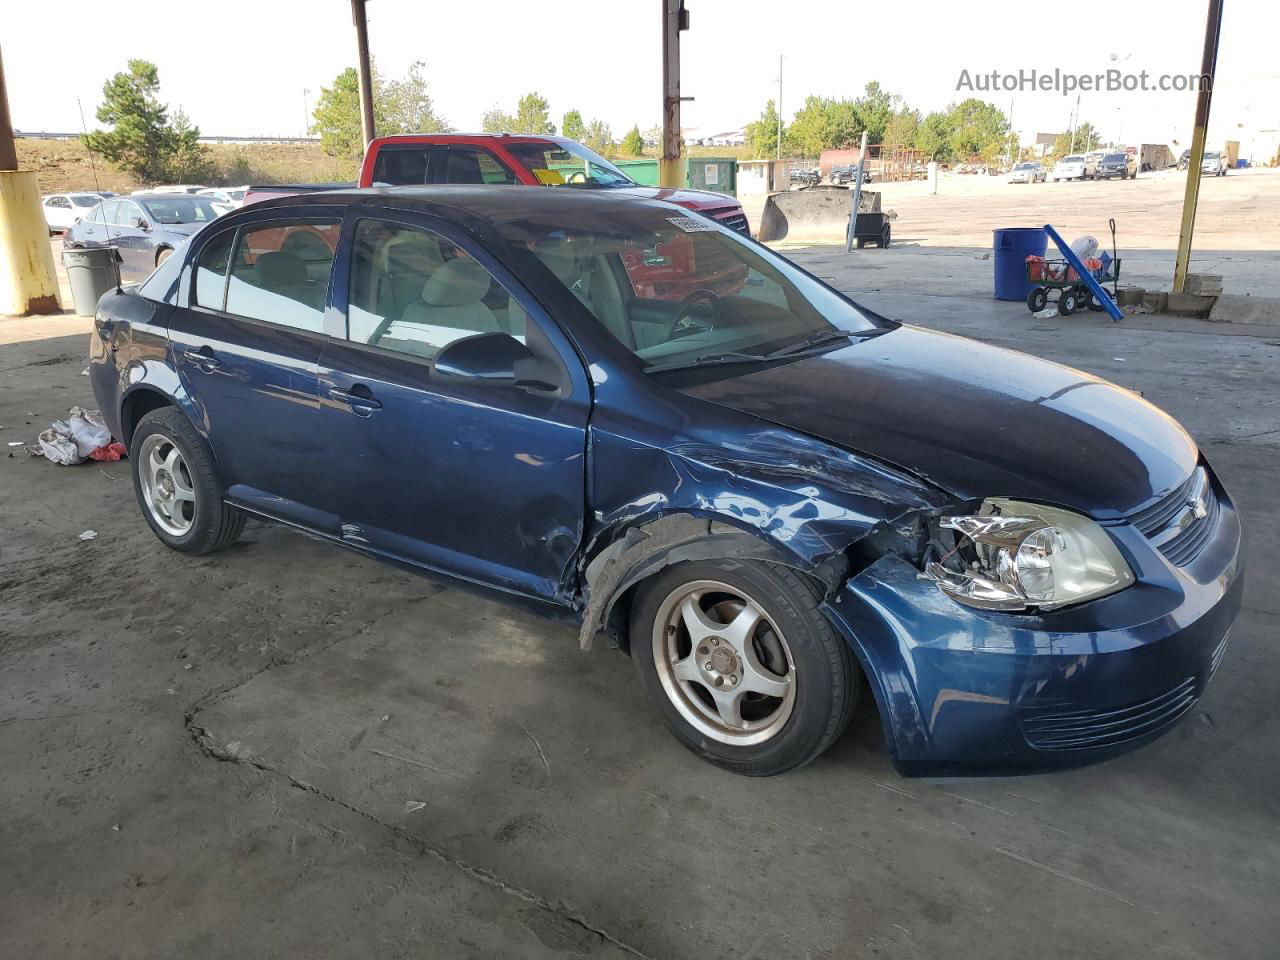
(690, 225)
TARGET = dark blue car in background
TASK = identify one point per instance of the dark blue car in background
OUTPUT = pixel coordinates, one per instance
(760, 489)
(145, 227)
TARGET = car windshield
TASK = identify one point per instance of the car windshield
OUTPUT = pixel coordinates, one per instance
(1113, 158)
(678, 290)
(1025, 166)
(85, 200)
(1211, 156)
(181, 208)
(1072, 160)
(569, 164)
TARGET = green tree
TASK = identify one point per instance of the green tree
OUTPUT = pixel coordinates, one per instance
(873, 110)
(762, 134)
(1086, 138)
(406, 105)
(632, 144)
(902, 129)
(808, 134)
(978, 129)
(497, 121)
(933, 138)
(143, 141)
(337, 115)
(533, 115)
(188, 159)
(599, 136)
(572, 126)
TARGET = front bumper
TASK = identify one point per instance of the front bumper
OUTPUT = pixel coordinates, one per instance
(964, 692)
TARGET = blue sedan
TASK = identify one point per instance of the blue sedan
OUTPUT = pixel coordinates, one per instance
(620, 413)
(145, 227)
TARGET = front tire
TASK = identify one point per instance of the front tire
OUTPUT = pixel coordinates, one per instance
(744, 667)
(163, 254)
(177, 487)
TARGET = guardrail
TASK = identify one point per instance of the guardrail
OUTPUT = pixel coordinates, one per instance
(59, 135)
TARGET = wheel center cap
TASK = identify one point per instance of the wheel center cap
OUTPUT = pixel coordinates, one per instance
(723, 661)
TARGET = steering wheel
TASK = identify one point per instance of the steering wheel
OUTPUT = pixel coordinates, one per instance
(578, 176)
(682, 314)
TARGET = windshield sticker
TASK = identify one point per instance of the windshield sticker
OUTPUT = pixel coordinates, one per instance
(548, 178)
(690, 225)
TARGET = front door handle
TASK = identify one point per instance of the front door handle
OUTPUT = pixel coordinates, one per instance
(203, 359)
(358, 398)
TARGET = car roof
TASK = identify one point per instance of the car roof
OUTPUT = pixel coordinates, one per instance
(411, 138)
(496, 203)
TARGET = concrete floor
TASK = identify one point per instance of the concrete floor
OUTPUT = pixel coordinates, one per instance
(287, 750)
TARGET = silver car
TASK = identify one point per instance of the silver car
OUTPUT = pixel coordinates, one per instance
(1027, 173)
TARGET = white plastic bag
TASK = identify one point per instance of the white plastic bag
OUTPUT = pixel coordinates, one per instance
(1084, 247)
(57, 445)
(89, 430)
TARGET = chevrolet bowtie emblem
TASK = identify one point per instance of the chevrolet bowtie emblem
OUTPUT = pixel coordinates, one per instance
(1199, 509)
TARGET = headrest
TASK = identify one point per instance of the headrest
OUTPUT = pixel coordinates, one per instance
(280, 270)
(459, 281)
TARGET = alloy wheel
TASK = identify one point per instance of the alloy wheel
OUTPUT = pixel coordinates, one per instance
(723, 663)
(167, 487)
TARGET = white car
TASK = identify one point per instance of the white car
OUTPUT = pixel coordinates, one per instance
(1214, 164)
(1027, 173)
(1069, 168)
(174, 188)
(62, 210)
(230, 197)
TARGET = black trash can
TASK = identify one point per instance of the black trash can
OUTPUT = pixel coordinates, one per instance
(91, 271)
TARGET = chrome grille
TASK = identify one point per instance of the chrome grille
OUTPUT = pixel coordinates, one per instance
(1082, 729)
(1180, 525)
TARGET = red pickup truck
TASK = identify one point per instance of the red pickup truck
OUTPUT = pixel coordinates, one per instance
(418, 158)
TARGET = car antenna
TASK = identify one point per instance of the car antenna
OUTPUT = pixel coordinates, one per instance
(92, 166)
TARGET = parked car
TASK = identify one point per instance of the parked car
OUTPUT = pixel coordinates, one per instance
(848, 173)
(62, 210)
(805, 176)
(1122, 165)
(1214, 164)
(172, 188)
(146, 228)
(1030, 172)
(231, 197)
(763, 496)
(1184, 161)
(1070, 168)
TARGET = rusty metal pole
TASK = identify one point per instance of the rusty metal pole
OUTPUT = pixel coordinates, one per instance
(364, 69)
(674, 19)
(1204, 96)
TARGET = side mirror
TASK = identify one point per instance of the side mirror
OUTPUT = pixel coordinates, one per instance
(141, 224)
(491, 357)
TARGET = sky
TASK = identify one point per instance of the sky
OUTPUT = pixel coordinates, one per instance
(254, 68)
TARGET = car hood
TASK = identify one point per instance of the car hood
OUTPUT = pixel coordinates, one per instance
(693, 199)
(975, 420)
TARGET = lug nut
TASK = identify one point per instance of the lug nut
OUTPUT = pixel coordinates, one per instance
(707, 666)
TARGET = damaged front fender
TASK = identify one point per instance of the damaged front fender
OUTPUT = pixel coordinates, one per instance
(769, 494)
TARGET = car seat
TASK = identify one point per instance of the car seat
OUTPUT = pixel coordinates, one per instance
(452, 297)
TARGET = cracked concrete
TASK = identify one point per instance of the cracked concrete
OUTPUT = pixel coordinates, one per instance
(287, 750)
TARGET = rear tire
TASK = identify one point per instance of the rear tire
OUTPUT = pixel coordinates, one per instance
(788, 647)
(177, 486)
(1037, 299)
(163, 254)
(1068, 303)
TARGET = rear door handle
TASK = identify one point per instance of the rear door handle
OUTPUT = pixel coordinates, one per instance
(361, 404)
(203, 358)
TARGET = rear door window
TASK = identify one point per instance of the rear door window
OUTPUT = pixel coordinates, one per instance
(280, 273)
(210, 286)
(414, 292)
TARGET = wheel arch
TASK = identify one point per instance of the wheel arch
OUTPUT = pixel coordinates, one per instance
(615, 571)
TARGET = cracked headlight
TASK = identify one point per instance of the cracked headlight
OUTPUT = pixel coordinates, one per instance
(1012, 555)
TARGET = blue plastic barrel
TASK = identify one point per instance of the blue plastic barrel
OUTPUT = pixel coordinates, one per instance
(1011, 247)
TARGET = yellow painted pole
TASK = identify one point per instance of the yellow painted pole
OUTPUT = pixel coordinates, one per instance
(1204, 96)
(28, 280)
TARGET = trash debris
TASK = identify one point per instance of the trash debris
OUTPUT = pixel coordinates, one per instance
(89, 535)
(110, 452)
(187, 666)
(1047, 313)
(413, 806)
(1118, 359)
(386, 717)
(84, 372)
(15, 443)
(75, 439)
